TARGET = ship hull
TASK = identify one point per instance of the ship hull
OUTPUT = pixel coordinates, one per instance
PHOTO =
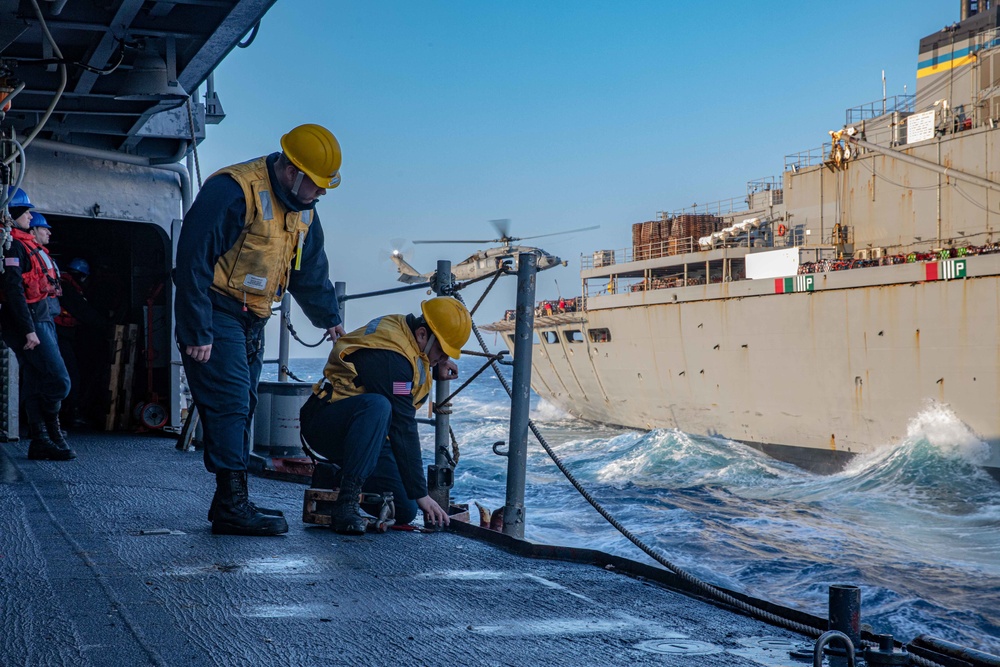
(812, 377)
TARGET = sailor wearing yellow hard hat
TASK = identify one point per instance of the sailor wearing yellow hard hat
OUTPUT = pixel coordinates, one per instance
(250, 235)
(362, 415)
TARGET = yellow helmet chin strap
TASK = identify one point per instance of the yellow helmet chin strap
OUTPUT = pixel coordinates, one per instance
(298, 181)
(430, 342)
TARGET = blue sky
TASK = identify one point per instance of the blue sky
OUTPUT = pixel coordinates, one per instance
(556, 115)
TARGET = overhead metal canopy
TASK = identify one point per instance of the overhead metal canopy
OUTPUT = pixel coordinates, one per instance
(106, 47)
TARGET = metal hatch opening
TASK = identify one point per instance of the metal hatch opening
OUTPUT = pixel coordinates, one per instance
(129, 289)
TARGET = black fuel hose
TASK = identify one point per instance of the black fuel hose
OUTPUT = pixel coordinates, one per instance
(707, 588)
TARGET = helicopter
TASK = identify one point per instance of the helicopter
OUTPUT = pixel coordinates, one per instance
(484, 262)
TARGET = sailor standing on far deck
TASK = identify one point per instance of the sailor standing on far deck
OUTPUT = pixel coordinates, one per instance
(251, 233)
(30, 286)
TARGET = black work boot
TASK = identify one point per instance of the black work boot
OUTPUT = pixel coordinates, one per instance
(346, 516)
(56, 434)
(42, 448)
(263, 510)
(235, 515)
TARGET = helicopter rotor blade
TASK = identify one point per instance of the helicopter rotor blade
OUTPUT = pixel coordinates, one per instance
(457, 241)
(568, 231)
(398, 247)
(503, 228)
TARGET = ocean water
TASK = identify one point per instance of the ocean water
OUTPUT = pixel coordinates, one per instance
(916, 526)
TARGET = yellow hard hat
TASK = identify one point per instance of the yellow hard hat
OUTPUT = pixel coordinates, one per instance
(315, 151)
(450, 321)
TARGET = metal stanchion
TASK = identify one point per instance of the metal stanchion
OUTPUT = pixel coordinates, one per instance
(517, 456)
(441, 475)
(341, 288)
(283, 337)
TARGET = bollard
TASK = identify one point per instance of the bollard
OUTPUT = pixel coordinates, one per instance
(886, 654)
(845, 617)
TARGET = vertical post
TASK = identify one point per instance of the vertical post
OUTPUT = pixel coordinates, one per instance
(341, 288)
(845, 616)
(441, 475)
(174, 423)
(283, 338)
(517, 453)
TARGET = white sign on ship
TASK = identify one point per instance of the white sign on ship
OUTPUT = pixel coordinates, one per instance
(920, 127)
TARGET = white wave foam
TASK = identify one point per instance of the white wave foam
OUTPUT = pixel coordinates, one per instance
(547, 412)
(944, 431)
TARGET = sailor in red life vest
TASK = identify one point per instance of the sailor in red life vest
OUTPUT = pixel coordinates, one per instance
(30, 284)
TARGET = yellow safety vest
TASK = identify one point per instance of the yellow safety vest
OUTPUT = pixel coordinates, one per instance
(389, 332)
(257, 268)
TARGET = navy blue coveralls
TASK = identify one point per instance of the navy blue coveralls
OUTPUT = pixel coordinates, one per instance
(45, 379)
(224, 388)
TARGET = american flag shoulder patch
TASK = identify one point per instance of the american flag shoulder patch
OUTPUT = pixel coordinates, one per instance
(401, 388)
(11, 261)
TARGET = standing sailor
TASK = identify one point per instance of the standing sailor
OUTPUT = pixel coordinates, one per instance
(30, 286)
(251, 234)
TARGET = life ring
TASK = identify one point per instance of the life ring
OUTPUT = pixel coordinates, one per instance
(781, 230)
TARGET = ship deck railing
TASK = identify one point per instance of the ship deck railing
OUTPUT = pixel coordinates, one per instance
(667, 251)
(720, 208)
(880, 107)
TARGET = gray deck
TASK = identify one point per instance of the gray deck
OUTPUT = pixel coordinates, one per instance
(81, 584)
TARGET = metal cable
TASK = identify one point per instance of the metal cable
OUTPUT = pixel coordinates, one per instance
(291, 330)
(712, 591)
(63, 79)
(455, 453)
(289, 373)
(487, 291)
(253, 35)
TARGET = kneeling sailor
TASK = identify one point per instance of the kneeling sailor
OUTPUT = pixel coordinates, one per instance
(362, 415)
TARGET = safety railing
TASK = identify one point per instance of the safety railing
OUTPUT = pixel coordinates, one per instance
(717, 208)
(664, 248)
(808, 158)
(901, 103)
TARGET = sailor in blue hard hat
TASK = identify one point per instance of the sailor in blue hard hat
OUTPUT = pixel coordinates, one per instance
(30, 283)
(18, 200)
(40, 228)
(38, 220)
(79, 265)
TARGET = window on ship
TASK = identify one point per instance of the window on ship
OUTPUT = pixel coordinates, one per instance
(573, 336)
(601, 335)
(550, 336)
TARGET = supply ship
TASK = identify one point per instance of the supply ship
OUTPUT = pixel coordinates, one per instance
(819, 314)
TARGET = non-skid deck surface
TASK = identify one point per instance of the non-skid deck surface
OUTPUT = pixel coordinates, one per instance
(108, 560)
